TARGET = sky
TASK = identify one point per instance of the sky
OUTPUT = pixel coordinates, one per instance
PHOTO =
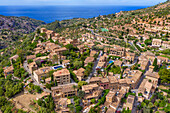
(82, 2)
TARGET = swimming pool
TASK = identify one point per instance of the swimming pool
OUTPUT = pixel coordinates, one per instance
(56, 67)
(111, 61)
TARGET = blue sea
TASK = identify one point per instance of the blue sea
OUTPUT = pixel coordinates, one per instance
(49, 14)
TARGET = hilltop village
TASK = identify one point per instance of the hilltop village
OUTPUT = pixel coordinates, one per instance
(120, 68)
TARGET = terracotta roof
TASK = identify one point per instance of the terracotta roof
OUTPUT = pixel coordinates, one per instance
(92, 53)
(122, 81)
(112, 79)
(63, 101)
(9, 69)
(104, 80)
(14, 57)
(89, 59)
(157, 40)
(118, 63)
(152, 74)
(110, 94)
(89, 87)
(61, 72)
(65, 61)
(32, 64)
(94, 79)
(130, 99)
(42, 70)
(101, 64)
(79, 72)
(65, 87)
(61, 49)
(48, 79)
(31, 57)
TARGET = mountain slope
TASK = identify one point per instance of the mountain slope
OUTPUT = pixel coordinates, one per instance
(12, 28)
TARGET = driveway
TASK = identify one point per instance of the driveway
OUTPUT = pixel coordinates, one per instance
(94, 67)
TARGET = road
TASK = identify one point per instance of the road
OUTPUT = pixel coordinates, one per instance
(99, 35)
(25, 65)
(129, 65)
(94, 67)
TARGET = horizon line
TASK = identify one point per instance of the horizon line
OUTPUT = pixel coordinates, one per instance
(79, 5)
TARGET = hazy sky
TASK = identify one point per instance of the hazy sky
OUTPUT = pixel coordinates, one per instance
(81, 2)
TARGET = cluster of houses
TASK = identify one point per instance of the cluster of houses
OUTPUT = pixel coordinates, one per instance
(159, 43)
(119, 86)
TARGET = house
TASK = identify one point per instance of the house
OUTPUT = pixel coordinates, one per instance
(63, 91)
(130, 56)
(133, 78)
(156, 42)
(110, 97)
(32, 67)
(88, 60)
(143, 64)
(122, 82)
(130, 102)
(140, 99)
(43, 94)
(31, 57)
(15, 57)
(151, 68)
(60, 51)
(48, 80)
(8, 70)
(62, 103)
(81, 48)
(92, 53)
(146, 88)
(117, 51)
(49, 34)
(54, 58)
(113, 82)
(147, 55)
(95, 80)
(92, 91)
(66, 63)
(110, 110)
(101, 65)
(152, 76)
(51, 46)
(166, 44)
(104, 83)
(41, 59)
(118, 63)
(62, 76)
(161, 59)
(41, 72)
(43, 30)
(103, 58)
(80, 74)
(54, 38)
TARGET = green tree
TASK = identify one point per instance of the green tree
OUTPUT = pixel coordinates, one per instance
(77, 64)
(81, 94)
(164, 75)
(81, 83)
(93, 101)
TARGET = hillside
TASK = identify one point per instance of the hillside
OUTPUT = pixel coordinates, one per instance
(157, 15)
(12, 28)
(111, 63)
(122, 26)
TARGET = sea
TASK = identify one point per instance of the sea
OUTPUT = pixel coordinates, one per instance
(50, 14)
